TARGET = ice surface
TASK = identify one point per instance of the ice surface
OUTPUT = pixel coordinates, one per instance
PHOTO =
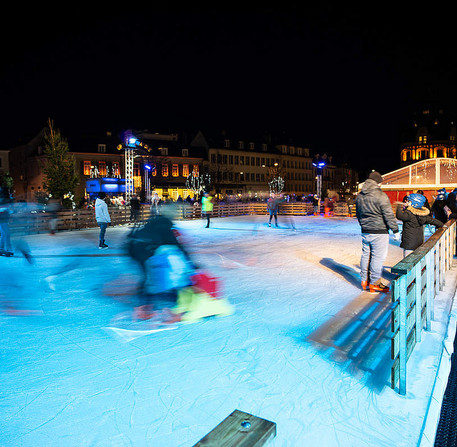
(305, 347)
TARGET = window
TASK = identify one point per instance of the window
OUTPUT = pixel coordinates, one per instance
(240, 145)
(213, 158)
(299, 151)
(164, 170)
(236, 159)
(230, 159)
(102, 167)
(224, 159)
(102, 148)
(195, 170)
(185, 152)
(251, 146)
(163, 151)
(185, 170)
(226, 143)
(264, 147)
(86, 169)
(175, 170)
(136, 170)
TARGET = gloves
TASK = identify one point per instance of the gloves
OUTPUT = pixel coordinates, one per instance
(397, 236)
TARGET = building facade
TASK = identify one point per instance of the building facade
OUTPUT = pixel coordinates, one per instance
(431, 135)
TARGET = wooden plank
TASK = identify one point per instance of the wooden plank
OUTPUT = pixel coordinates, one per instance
(395, 371)
(410, 322)
(239, 429)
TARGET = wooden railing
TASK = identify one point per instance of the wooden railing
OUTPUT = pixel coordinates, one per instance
(421, 275)
(38, 221)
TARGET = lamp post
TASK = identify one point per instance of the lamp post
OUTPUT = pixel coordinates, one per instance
(147, 183)
(319, 164)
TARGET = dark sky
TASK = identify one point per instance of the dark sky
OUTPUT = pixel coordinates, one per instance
(342, 80)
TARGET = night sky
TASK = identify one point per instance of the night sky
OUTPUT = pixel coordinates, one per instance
(343, 80)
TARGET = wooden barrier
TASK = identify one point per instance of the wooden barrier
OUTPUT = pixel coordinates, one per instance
(38, 220)
(421, 277)
(240, 429)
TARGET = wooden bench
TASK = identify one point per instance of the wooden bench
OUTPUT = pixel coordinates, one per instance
(240, 429)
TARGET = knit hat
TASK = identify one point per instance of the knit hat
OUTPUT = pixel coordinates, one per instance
(376, 176)
(417, 200)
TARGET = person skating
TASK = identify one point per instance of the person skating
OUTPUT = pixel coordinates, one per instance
(5, 211)
(273, 206)
(376, 218)
(316, 205)
(143, 244)
(414, 215)
(102, 217)
(135, 206)
(207, 207)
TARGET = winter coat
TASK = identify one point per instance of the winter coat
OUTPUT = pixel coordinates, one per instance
(273, 204)
(438, 211)
(101, 211)
(413, 220)
(144, 242)
(374, 211)
(207, 204)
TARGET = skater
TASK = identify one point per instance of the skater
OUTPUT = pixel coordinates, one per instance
(414, 215)
(316, 205)
(207, 207)
(376, 218)
(102, 217)
(134, 209)
(155, 204)
(272, 206)
(5, 211)
(144, 242)
(439, 206)
(52, 207)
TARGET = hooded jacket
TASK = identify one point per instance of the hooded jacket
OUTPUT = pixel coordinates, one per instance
(374, 211)
(414, 219)
(101, 211)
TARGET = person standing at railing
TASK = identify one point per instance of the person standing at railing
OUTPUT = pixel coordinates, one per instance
(414, 215)
(102, 217)
(439, 206)
(376, 218)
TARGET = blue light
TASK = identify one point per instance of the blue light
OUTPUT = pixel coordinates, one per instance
(147, 167)
(322, 164)
(132, 141)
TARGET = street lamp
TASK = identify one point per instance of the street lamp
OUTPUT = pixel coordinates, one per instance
(319, 164)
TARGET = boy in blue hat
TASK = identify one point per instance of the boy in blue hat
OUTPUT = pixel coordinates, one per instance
(414, 216)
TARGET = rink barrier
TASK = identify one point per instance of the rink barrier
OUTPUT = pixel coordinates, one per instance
(421, 276)
(240, 428)
(39, 222)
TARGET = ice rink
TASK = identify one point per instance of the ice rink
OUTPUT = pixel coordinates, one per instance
(305, 347)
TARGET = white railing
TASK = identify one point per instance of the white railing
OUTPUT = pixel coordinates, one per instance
(421, 275)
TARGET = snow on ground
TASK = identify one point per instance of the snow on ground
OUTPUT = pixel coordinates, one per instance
(305, 347)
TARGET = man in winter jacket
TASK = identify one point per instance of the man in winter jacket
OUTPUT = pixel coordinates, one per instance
(414, 216)
(102, 217)
(376, 218)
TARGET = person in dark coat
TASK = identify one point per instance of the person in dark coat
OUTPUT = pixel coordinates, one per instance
(5, 211)
(414, 216)
(135, 206)
(438, 207)
(144, 242)
(376, 218)
(451, 202)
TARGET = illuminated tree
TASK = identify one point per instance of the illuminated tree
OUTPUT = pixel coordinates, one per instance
(60, 179)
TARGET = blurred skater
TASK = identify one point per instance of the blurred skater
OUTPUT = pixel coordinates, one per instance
(145, 243)
(134, 209)
(102, 217)
(52, 208)
(316, 205)
(273, 206)
(207, 207)
(5, 211)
